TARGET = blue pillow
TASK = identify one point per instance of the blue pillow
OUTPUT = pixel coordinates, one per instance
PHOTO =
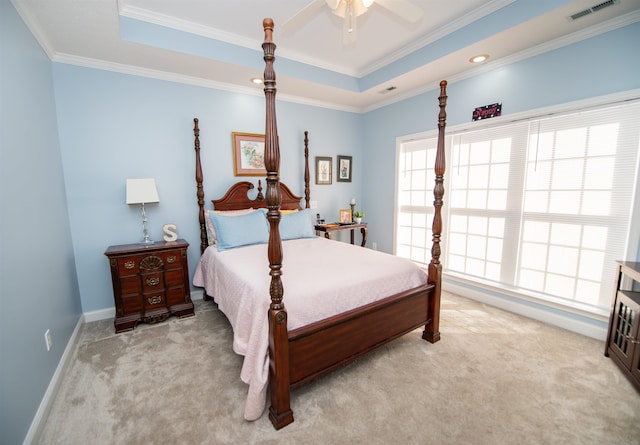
(243, 230)
(297, 225)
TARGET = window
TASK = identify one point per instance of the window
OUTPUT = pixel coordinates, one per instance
(541, 206)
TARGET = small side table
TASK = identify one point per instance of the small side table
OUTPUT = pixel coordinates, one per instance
(150, 282)
(327, 229)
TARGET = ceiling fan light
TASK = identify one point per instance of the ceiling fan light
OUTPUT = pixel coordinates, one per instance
(348, 7)
(367, 3)
(333, 4)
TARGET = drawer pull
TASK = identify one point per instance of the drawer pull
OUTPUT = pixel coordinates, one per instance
(155, 300)
(171, 259)
(129, 264)
(154, 281)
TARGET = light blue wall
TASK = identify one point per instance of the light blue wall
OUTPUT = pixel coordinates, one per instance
(38, 286)
(597, 66)
(115, 126)
(65, 161)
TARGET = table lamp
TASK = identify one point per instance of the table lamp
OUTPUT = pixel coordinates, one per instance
(142, 191)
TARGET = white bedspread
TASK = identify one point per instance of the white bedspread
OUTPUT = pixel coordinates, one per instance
(320, 277)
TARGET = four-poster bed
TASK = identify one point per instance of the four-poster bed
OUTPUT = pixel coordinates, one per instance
(346, 318)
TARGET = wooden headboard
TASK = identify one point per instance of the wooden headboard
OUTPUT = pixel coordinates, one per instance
(237, 197)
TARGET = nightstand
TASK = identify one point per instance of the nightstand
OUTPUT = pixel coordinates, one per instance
(150, 282)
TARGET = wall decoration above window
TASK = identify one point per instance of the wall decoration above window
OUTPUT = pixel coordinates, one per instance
(323, 170)
(487, 111)
(344, 168)
(248, 154)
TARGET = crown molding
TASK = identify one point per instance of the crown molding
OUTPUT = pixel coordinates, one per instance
(121, 68)
(453, 26)
(578, 36)
(166, 21)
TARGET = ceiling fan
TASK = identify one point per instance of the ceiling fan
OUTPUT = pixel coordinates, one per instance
(350, 9)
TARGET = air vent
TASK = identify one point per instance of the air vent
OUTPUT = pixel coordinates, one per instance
(387, 90)
(591, 10)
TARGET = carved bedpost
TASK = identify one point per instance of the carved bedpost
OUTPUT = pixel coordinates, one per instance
(280, 412)
(307, 191)
(432, 331)
(200, 192)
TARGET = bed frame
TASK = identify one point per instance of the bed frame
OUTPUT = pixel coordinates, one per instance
(300, 355)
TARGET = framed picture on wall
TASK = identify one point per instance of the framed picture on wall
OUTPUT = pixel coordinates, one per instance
(323, 170)
(248, 154)
(344, 168)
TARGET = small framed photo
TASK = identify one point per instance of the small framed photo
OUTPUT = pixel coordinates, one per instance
(344, 168)
(323, 170)
(248, 154)
(345, 215)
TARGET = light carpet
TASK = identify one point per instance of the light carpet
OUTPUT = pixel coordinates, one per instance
(494, 378)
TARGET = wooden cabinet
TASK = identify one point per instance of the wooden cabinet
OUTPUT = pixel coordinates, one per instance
(150, 282)
(623, 338)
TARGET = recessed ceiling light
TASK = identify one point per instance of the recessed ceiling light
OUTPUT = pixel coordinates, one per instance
(257, 80)
(479, 58)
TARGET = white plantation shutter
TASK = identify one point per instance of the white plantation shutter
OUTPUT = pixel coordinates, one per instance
(541, 205)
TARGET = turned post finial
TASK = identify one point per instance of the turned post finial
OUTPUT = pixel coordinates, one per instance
(267, 24)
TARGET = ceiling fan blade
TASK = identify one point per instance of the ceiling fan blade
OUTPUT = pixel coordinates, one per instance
(303, 15)
(402, 8)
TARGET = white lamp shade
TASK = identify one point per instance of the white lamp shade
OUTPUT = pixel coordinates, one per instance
(142, 191)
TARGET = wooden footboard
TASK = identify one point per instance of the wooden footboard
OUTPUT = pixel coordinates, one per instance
(325, 345)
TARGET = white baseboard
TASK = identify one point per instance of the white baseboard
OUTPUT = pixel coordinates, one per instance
(100, 314)
(594, 327)
(35, 430)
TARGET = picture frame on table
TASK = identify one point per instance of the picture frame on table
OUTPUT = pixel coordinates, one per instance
(345, 216)
(324, 171)
(344, 168)
(248, 154)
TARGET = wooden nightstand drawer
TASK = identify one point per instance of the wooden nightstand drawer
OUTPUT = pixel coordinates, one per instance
(131, 303)
(130, 285)
(172, 258)
(128, 265)
(174, 277)
(150, 282)
(154, 300)
(176, 295)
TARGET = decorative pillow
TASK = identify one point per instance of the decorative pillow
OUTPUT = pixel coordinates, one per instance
(211, 231)
(286, 212)
(297, 225)
(242, 230)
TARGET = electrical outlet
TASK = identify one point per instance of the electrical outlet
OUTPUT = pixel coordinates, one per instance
(375, 246)
(313, 204)
(47, 339)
